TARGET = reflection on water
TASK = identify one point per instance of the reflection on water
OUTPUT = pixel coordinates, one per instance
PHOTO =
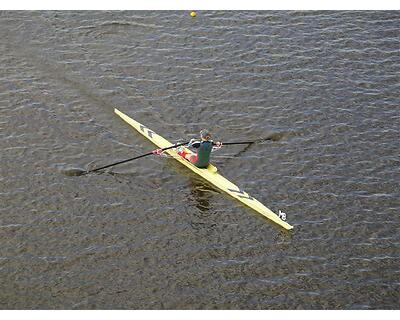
(202, 193)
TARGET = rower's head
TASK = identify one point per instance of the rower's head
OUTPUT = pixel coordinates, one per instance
(205, 135)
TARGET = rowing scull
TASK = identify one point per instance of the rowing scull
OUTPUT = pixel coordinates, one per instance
(210, 173)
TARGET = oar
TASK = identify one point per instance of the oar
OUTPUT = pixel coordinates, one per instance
(241, 142)
(134, 158)
(149, 154)
(245, 142)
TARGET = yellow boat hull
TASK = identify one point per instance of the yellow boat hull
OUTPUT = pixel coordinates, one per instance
(210, 173)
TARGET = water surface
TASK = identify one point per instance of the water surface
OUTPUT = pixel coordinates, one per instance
(150, 234)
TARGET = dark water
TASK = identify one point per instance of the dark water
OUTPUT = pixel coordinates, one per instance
(150, 234)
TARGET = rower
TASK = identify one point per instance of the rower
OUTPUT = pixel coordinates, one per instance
(204, 147)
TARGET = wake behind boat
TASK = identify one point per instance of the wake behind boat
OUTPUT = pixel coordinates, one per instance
(210, 173)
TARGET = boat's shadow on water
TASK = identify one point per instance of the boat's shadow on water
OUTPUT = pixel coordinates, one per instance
(201, 193)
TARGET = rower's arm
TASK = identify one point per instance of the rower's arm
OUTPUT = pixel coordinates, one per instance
(194, 144)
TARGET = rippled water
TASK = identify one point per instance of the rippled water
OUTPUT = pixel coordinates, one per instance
(151, 235)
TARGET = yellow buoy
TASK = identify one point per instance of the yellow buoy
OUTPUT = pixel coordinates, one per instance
(193, 14)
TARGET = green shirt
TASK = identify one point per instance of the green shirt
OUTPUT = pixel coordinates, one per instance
(203, 153)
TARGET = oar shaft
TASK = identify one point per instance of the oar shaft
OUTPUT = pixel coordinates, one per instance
(232, 143)
(134, 158)
(150, 153)
(120, 162)
(244, 142)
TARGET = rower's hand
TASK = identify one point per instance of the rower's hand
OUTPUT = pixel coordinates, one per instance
(191, 142)
(157, 152)
(216, 146)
